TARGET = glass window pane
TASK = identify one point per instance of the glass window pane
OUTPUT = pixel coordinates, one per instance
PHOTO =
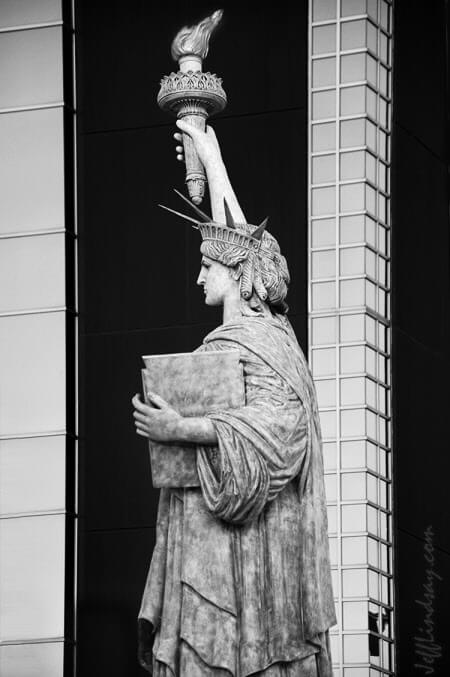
(353, 165)
(352, 229)
(328, 425)
(324, 39)
(371, 328)
(332, 519)
(371, 135)
(323, 330)
(353, 34)
(324, 104)
(371, 167)
(324, 72)
(352, 261)
(353, 391)
(353, 197)
(354, 550)
(323, 232)
(32, 660)
(353, 454)
(326, 393)
(371, 36)
(371, 65)
(383, 114)
(353, 67)
(323, 201)
(31, 67)
(323, 295)
(352, 328)
(324, 169)
(354, 100)
(371, 103)
(353, 133)
(324, 137)
(333, 551)
(372, 9)
(354, 582)
(383, 145)
(32, 272)
(372, 520)
(324, 9)
(372, 456)
(371, 295)
(371, 230)
(324, 362)
(384, 52)
(356, 649)
(353, 7)
(353, 518)
(353, 424)
(355, 616)
(384, 15)
(32, 170)
(32, 365)
(32, 577)
(351, 293)
(324, 264)
(373, 552)
(384, 80)
(329, 455)
(14, 13)
(32, 474)
(330, 487)
(352, 359)
(371, 393)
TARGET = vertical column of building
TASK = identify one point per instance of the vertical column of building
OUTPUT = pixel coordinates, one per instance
(37, 330)
(349, 348)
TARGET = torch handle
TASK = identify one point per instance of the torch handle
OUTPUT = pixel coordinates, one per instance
(195, 173)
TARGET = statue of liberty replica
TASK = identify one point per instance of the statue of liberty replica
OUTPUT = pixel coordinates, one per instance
(239, 583)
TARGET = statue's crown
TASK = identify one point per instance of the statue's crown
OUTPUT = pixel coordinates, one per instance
(245, 236)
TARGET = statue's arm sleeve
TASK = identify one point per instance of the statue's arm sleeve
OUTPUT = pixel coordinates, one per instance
(260, 449)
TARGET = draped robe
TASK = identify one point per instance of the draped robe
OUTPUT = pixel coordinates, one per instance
(239, 582)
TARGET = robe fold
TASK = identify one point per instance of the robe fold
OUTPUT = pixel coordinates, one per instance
(240, 582)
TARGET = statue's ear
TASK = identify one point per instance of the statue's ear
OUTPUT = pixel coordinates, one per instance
(236, 271)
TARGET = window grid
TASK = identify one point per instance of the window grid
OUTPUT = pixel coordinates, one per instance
(349, 315)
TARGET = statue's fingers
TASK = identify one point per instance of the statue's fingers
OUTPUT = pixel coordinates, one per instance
(189, 129)
(137, 404)
(141, 433)
(139, 417)
(179, 149)
(177, 136)
(180, 158)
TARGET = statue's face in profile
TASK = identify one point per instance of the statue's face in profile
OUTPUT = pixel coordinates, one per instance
(217, 282)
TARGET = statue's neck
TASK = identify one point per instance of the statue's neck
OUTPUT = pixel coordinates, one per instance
(235, 307)
(232, 308)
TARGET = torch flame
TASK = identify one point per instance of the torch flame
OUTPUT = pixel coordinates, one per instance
(195, 39)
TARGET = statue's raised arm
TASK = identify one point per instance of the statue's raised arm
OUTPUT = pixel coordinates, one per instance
(220, 188)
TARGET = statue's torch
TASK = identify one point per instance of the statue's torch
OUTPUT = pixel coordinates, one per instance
(193, 95)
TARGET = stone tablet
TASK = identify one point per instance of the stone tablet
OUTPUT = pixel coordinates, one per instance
(194, 384)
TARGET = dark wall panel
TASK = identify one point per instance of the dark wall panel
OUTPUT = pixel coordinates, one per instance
(421, 336)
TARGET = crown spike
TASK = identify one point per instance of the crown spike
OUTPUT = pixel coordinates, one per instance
(204, 217)
(228, 216)
(183, 216)
(257, 234)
